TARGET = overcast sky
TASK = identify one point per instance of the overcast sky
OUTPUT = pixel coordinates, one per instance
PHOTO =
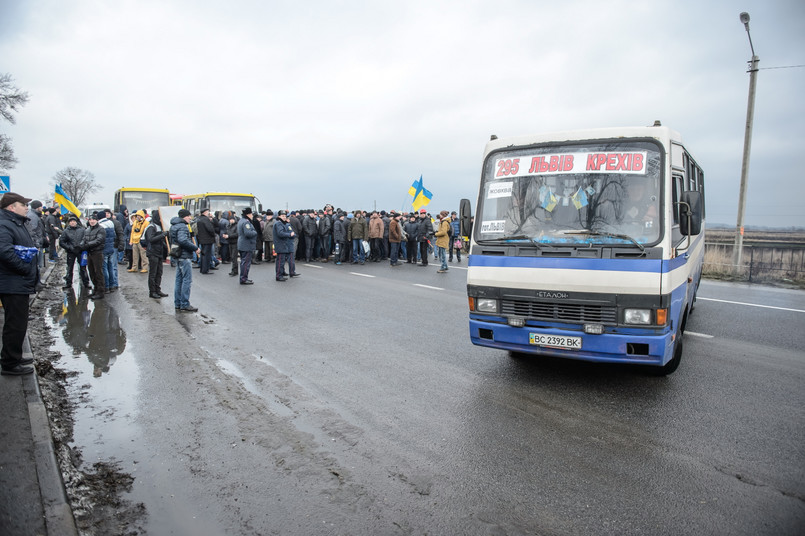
(347, 102)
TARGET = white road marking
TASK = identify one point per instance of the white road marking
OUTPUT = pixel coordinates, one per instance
(362, 275)
(702, 335)
(313, 266)
(428, 286)
(752, 305)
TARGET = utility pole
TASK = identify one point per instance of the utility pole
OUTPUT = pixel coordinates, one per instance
(737, 251)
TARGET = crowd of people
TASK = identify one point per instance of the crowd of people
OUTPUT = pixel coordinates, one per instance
(143, 243)
(31, 233)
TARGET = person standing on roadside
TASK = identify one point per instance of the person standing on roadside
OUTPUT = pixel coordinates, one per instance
(70, 241)
(138, 260)
(156, 249)
(54, 229)
(206, 238)
(357, 232)
(93, 243)
(395, 237)
(18, 280)
(36, 228)
(443, 240)
(247, 243)
(182, 234)
(455, 237)
(424, 230)
(284, 246)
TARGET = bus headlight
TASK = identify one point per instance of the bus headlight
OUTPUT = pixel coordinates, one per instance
(637, 316)
(486, 305)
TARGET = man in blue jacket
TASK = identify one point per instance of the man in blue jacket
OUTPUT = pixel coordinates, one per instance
(182, 234)
(18, 280)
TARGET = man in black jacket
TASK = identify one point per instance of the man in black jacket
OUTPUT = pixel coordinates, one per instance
(18, 280)
(70, 241)
(206, 238)
(93, 243)
(156, 249)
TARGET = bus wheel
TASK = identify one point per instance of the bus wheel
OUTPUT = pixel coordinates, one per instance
(673, 364)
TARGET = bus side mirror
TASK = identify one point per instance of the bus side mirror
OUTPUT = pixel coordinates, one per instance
(260, 207)
(690, 214)
(465, 217)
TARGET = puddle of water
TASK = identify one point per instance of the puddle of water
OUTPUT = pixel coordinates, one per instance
(105, 393)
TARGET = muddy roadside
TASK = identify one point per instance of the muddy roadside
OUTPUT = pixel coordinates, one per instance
(95, 490)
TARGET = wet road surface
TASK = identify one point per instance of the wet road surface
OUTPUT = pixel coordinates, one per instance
(350, 401)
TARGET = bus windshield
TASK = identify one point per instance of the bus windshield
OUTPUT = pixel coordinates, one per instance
(571, 194)
(230, 202)
(144, 200)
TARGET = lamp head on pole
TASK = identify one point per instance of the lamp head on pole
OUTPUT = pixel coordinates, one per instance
(745, 19)
(744, 16)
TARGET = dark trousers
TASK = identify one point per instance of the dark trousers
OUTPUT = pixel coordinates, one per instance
(15, 307)
(395, 252)
(95, 267)
(224, 247)
(410, 250)
(233, 253)
(245, 265)
(279, 268)
(458, 250)
(206, 258)
(82, 271)
(311, 251)
(155, 267)
(423, 250)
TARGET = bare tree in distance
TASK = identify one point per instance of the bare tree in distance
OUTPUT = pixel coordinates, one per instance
(77, 184)
(11, 100)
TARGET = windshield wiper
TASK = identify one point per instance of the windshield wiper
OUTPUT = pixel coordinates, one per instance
(515, 237)
(609, 235)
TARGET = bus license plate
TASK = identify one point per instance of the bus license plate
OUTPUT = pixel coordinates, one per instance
(555, 341)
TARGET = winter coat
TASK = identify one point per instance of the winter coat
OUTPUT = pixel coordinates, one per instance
(375, 226)
(283, 241)
(411, 229)
(137, 227)
(16, 275)
(247, 235)
(395, 231)
(443, 234)
(94, 239)
(206, 230)
(358, 229)
(154, 241)
(340, 230)
(296, 225)
(309, 226)
(325, 225)
(36, 228)
(386, 222)
(110, 246)
(54, 228)
(456, 226)
(71, 239)
(424, 229)
(182, 234)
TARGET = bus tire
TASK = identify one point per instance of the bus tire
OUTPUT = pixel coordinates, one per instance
(673, 364)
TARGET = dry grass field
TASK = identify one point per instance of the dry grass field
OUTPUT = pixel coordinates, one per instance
(771, 257)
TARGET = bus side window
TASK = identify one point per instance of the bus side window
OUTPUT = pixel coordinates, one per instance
(677, 184)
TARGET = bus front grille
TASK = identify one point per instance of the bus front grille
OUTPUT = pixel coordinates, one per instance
(560, 312)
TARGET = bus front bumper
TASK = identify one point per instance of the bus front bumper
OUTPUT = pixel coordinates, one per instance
(634, 346)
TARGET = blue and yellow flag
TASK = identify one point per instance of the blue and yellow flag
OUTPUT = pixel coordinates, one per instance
(421, 195)
(66, 203)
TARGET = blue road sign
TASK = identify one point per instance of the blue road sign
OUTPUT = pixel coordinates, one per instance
(5, 183)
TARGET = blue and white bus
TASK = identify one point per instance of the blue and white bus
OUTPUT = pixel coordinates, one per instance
(587, 245)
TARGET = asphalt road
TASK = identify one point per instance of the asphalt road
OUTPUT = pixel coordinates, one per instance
(350, 401)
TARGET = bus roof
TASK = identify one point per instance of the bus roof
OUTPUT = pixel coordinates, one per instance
(219, 193)
(664, 134)
(124, 189)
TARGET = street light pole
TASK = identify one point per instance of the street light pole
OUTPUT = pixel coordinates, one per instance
(737, 251)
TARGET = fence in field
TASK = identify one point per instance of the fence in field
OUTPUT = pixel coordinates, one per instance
(760, 263)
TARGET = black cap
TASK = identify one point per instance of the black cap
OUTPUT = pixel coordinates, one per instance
(183, 213)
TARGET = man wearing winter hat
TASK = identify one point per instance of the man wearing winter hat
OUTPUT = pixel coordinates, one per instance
(38, 231)
(70, 241)
(247, 243)
(18, 280)
(182, 234)
(93, 243)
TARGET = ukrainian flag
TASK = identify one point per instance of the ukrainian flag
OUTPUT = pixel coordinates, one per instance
(66, 204)
(421, 195)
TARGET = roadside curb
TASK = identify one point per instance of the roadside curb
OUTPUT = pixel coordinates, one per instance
(58, 512)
